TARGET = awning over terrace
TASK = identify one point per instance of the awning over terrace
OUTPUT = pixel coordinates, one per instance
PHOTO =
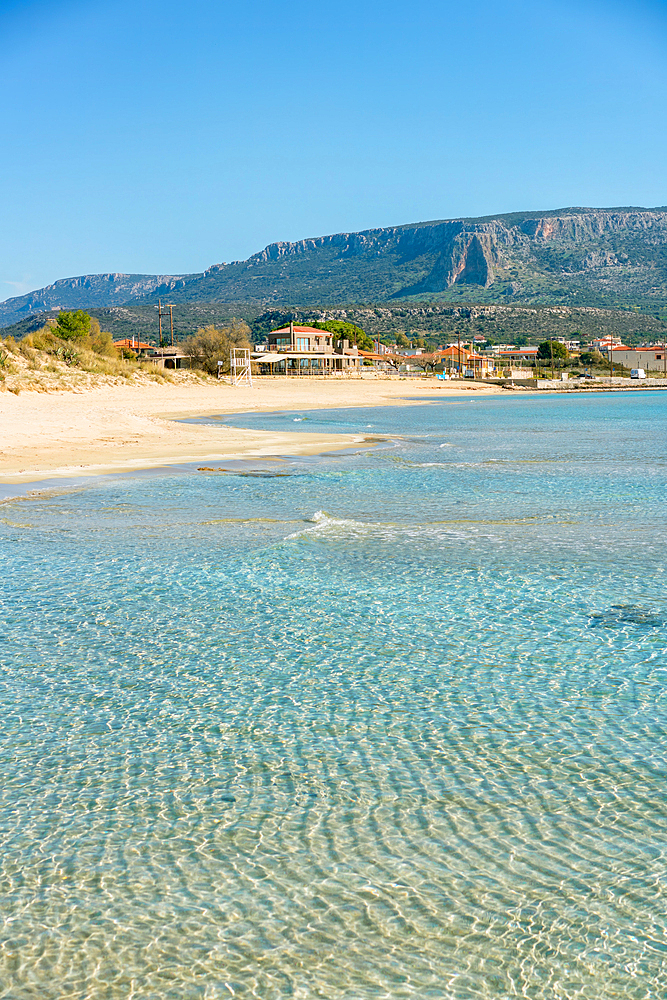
(273, 357)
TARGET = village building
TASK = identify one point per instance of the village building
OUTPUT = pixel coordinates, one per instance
(375, 359)
(460, 359)
(304, 350)
(572, 345)
(653, 359)
(604, 344)
(168, 357)
(518, 356)
(133, 344)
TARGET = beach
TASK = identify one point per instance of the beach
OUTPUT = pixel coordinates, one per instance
(128, 427)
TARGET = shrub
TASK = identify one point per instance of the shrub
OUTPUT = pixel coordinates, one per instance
(43, 340)
(212, 344)
(101, 341)
(68, 355)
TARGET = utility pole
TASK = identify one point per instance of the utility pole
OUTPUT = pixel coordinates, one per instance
(551, 348)
(458, 334)
(159, 319)
(171, 322)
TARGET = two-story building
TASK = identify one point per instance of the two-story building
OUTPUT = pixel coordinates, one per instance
(460, 359)
(304, 350)
(653, 359)
(518, 357)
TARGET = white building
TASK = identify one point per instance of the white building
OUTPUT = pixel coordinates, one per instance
(651, 359)
(605, 343)
(304, 350)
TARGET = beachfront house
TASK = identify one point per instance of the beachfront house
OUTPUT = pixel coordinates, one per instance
(460, 359)
(651, 359)
(518, 357)
(304, 350)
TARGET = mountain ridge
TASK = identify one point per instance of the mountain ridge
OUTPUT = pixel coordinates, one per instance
(577, 255)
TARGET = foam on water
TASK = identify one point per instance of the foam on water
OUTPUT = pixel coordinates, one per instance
(378, 729)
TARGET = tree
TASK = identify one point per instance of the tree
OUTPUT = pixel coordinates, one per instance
(212, 344)
(402, 340)
(545, 349)
(395, 360)
(346, 331)
(426, 361)
(591, 358)
(73, 325)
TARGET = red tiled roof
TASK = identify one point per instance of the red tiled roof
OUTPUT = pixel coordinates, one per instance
(134, 345)
(304, 329)
(521, 350)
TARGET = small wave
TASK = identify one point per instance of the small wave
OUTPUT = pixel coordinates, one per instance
(318, 517)
(321, 522)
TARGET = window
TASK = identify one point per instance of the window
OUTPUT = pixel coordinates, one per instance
(302, 343)
(282, 341)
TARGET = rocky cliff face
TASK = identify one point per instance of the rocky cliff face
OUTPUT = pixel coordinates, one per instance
(86, 292)
(582, 255)
(579, 256)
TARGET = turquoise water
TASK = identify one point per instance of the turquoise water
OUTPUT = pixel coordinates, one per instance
(377, 725)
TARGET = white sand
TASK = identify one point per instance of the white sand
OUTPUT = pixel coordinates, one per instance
(125, 427)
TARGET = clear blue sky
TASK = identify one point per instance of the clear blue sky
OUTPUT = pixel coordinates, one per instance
(152, 137)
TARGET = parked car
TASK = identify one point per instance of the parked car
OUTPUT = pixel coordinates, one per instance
(637, 373)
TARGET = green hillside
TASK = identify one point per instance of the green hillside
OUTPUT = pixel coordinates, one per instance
(432, 322)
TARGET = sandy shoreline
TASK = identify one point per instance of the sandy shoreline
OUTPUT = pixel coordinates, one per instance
(125, 427)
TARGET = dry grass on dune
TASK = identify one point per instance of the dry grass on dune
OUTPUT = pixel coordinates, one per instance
(42, 362)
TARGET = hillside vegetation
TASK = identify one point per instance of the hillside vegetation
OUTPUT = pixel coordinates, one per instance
(44, 361)
(432, 322)
(499, 324)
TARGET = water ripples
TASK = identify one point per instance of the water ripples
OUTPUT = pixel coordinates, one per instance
(321, 756)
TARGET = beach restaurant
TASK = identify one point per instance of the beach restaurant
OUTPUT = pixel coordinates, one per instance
(304, 350)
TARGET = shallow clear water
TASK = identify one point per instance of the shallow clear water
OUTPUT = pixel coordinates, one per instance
(386, 724)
